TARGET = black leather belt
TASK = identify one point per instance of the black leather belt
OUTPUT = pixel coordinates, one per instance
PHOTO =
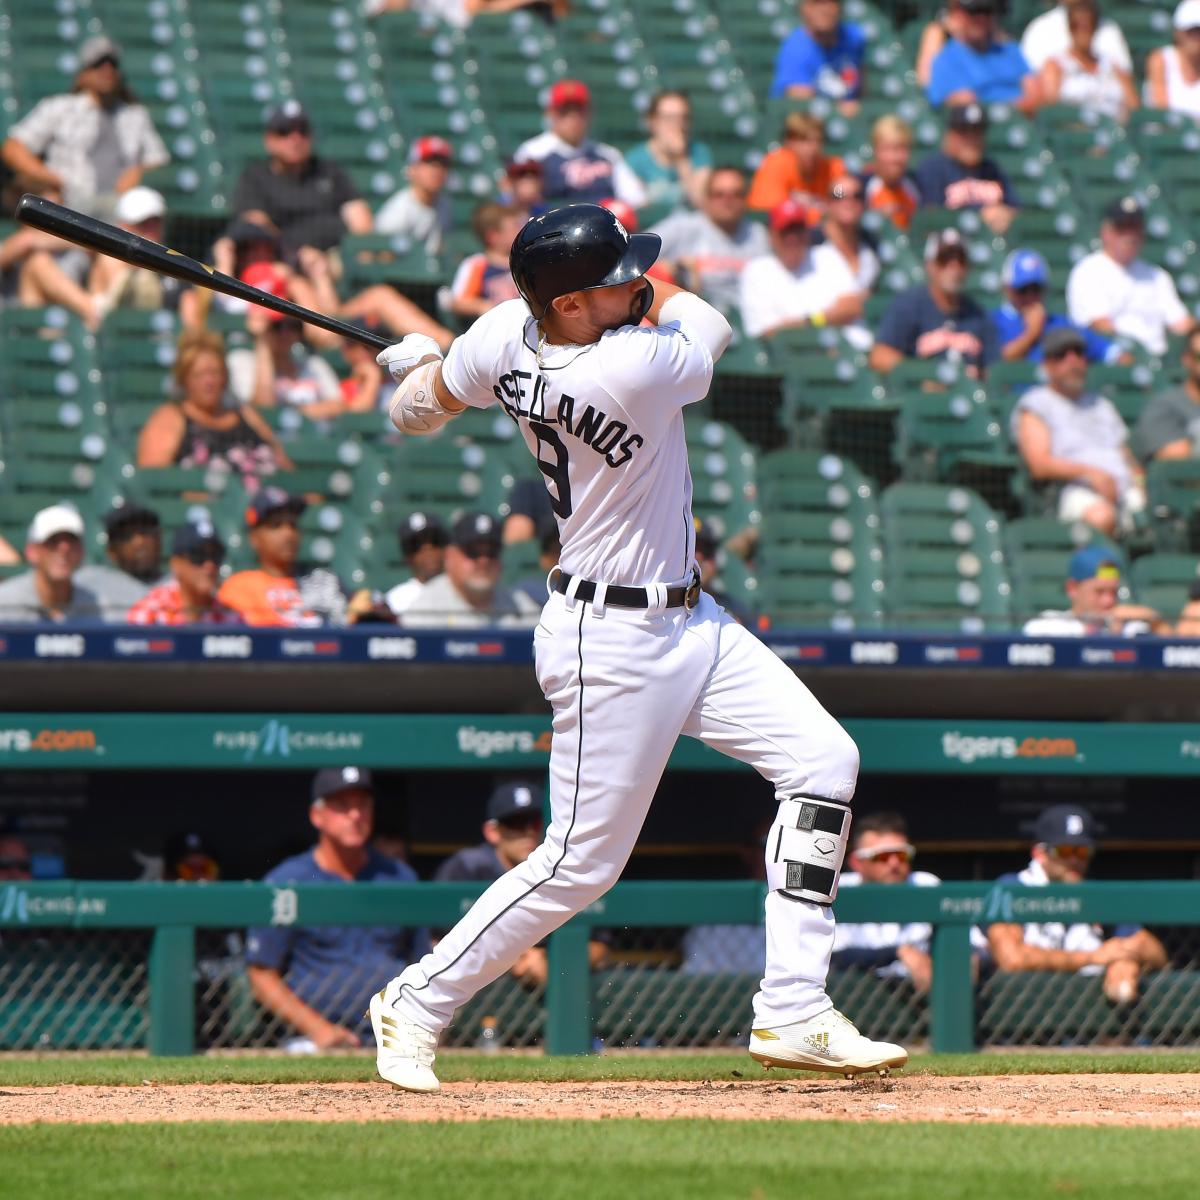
(683, 595)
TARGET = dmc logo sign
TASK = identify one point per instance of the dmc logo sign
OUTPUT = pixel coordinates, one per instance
(392, 647)
(1030, 654)
(1181, 656)
(59, 645)
(874, 652)
(219, 645)
(483, 743)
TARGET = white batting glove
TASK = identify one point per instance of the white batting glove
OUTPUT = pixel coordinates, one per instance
(407, 353)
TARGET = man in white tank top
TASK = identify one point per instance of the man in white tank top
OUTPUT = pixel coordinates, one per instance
(629, 651)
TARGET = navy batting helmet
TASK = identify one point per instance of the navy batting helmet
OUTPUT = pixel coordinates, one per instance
(576, 248)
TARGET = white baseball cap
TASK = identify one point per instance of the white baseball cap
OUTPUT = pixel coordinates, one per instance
(139, 204)
(1187, 15)
(58, 518)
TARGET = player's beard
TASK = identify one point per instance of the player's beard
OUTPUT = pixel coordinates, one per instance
(638, 308)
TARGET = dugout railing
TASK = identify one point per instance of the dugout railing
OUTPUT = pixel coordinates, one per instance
(126, 965)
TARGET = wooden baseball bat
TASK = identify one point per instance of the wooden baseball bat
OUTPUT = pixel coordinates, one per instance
(83, 230)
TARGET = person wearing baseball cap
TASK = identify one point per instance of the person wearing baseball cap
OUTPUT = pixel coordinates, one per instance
(468, 593)
(58, 143)
(423, 540)
(1094, 587)
(315, 977)
(1115, 292)
(792, 287)
(523, 187)
(280, 592)
(133, 547)
(1022, 320)
(115, 284)
(575, 168)
(49, 592)
(960, 175)
(420, 212)
(189, 597)
(512, 829)
(1064, 843)
(1173, 72)
(1072, 436)
(937, 319)
(979, 64)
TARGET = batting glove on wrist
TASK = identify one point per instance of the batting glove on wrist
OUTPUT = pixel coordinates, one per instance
(407, 353)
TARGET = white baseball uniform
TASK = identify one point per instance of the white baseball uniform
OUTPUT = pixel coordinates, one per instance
(605, 423)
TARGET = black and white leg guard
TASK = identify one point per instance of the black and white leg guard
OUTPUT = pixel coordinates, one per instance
(806, 846)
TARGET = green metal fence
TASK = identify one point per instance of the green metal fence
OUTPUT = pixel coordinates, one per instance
(120, 965)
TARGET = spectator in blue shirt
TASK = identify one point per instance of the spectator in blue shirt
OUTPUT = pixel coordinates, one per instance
(978, 65)
(1022, 320)
(960, 175)
(824, 57)
(936, 319)
(319, 978)
(512, 830)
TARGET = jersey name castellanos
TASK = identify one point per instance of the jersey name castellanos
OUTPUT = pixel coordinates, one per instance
(605, 424)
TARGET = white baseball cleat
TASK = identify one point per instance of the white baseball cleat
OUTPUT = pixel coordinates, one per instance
(406, 1051)
(826, 1042)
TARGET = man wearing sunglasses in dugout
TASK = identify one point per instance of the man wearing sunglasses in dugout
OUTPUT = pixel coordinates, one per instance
(1062, 852)
(189, 597)
(883, 854)
(468, 593)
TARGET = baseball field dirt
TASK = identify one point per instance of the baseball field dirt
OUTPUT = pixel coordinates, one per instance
(1163, 1101)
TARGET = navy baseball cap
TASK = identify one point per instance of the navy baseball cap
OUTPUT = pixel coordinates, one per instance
(706, 540)
(198, 535)
(513, 800)
(1065, 825)
(127, 517)
(418, 528)
(1023, 267)
(1093, 562)
(272, 499)
(967, 116)
(476, 529)
(1125, 211)
(332, 780)
(287, 116)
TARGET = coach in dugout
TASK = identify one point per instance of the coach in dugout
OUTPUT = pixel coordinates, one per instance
(1062, 851)
(318, 978)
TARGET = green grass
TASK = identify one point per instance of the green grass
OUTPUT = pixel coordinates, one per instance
(595, 1160)
(37, 1072)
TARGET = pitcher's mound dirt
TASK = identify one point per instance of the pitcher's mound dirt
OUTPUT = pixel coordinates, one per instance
(1165, 1101)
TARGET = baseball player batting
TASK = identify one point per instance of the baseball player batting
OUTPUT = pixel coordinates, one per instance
(629, 652)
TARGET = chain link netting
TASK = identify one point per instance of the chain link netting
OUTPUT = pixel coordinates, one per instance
(660, 988)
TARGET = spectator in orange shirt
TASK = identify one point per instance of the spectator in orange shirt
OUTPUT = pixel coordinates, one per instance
(190, 596)
(277, 593)
(799, 170)
(889, 186)
(484, 280)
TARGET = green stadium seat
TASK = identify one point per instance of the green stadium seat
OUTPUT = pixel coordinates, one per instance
(1163, 581)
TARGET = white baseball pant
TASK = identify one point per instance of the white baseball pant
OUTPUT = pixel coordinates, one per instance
(623, 684)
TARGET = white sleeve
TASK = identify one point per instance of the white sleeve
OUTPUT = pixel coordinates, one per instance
(326, 378)
(393, 216)
(757, 302)
(1087, 299)
(1169, 303)
(698, 319)
(653, 371)
(241, 365)
(469, 365)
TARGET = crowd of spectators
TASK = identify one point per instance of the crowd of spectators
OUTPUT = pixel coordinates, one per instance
(782, 246)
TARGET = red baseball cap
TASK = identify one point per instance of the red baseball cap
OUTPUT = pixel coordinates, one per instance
(570, 91)
(267, 277)
(425, 148)
(625, 213)
(787, 214)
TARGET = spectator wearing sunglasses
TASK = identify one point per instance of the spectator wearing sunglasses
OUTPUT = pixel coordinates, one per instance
(189, 597)
(1022, 320)
(979, 64)
(881, 853)
(468, 593)
(960, 175)
(936, 319)
(1075, 437)
(1062, 853)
